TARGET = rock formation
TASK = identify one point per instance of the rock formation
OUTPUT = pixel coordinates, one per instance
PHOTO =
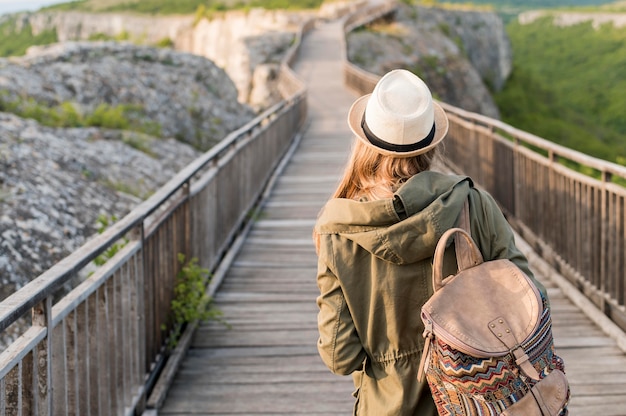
(56, 182)
(178, 94)
(460, 54)
(247, 45)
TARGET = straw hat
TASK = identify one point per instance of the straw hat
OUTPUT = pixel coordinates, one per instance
(399, 118)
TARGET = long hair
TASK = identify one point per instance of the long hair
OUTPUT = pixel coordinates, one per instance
(370, 175)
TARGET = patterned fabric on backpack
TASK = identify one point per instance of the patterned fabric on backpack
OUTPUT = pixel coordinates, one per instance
(466, 385)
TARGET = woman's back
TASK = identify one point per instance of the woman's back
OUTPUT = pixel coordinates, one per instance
(376, 238)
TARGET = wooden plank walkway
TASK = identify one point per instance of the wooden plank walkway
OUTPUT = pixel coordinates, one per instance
(267, 363)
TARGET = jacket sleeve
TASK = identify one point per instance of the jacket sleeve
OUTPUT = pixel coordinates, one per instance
(495, 236)
(339, 345)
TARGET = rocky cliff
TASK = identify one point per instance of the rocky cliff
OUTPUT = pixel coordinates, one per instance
(462, 55)
(247, 45)
(177, 94)
(56, 182)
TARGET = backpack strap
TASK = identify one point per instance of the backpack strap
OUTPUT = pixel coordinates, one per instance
(461, 246)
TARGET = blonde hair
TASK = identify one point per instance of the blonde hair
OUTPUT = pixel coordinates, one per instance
(370, 175)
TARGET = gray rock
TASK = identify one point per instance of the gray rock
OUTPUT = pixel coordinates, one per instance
(457, 53)
(236, 41)
(56, 182)
(182, 95)
(482, 38)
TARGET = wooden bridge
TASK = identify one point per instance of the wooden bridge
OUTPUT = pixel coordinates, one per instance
(100, 350)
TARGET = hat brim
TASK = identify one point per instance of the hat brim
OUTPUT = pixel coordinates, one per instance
(355, 116)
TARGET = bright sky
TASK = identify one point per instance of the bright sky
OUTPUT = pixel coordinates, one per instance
(10, 6)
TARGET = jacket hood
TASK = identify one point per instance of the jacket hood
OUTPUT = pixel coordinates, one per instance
(403, 229)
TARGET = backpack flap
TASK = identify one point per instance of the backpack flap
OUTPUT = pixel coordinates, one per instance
(484, 311)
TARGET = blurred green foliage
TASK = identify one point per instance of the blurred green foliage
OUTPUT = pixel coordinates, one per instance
(124, 116)
(509, 9)
(182, 6)
(568, 85)
(13, 43)
(527, 4)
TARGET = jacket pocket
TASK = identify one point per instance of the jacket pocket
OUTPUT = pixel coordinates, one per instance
(547, 398)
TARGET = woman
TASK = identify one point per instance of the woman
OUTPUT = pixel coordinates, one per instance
(375, 240)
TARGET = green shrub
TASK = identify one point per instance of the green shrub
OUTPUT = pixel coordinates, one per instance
(108, 117)
(191, 302)
(68, 6)
(99, 36)
(139, 142)
(69, 116)
(165, 43)
(445, 29)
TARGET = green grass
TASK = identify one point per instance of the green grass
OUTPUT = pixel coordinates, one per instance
(568, 92)
(181, 6)
(524, 4)
(123, 117)
(509, 9)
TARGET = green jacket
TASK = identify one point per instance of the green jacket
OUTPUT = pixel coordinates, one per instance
(374, 274)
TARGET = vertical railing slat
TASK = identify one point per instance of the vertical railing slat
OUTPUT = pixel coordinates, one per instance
(126, 317)
(59, 368)
(27, 384)
(12, 391)
(71, 352)
(93, 344)
(103, 368)
(82, 358)
(3, 397)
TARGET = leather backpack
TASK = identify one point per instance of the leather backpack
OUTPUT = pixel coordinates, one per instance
(488, 338)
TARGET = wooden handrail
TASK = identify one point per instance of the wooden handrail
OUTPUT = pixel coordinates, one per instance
(522, 137)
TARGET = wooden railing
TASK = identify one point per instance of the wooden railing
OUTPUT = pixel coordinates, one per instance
(575, 221)
(98, 349)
